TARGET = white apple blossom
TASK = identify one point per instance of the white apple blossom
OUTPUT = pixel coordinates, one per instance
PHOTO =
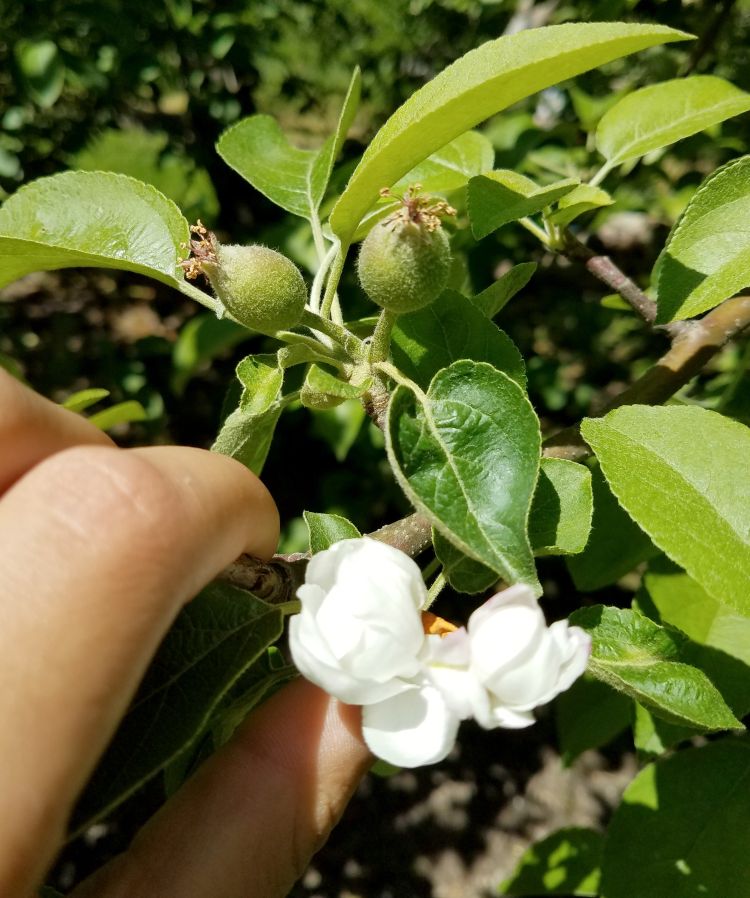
(360, 637)
(521, 662)
(359, 633)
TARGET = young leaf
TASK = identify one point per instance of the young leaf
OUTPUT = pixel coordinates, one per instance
(588, 715)
(215, 638)
(449, 329)
(326, 529)
(91, 219)
(615, 545)
(479, 84)
(499, 197)
(707, 256)
(495, 297)
(633, 654)
(323, 381)
(653, 736)
(295, 179)
(261, 378)
(582, 199)
(681, 829)
(120, 413)
(466, 454)
(660, 114)
(561, 511)
(565, 863)
(83, 399)
(674, 470)
(247, 437)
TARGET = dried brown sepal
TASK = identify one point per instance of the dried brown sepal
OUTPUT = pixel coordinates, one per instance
(418, 208)
(201, 249)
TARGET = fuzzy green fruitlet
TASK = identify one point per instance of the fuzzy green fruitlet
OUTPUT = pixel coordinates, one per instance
(258, 286)
(405, 261)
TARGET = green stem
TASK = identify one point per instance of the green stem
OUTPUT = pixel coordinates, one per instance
(430, 568)
(337, 269)
(381, 338)
(318, 238)
(337, 356)
(534, 229)
(289, 608)
(392, 371)
(438, 584)
(601, 174)
(210, 302)
(354, 347)
(320, 277)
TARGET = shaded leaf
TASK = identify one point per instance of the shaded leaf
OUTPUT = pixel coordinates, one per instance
(215, 638)
(467, 455)
(580, 200)
(588, 715)
(675, 471)
(247, 437)
(261, 378)
(681, 828)
(495, 297)
(500, 197)
(449, 329)
(565, 863)
(560, 518)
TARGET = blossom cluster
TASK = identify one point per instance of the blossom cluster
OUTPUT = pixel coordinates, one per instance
(360, 636)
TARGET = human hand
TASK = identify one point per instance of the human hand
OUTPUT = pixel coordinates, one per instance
(99, 549)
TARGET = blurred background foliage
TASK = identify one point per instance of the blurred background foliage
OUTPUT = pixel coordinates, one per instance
(146, 89)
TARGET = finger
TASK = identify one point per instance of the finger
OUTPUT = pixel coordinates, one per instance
(254, 814)
(31, 428)
(99, 549)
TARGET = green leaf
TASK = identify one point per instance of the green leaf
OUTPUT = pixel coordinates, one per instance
(500, 197)
(660, 114)
(200, 341)
(561, 511)
(565, 863)
(326, 529)
(247, 437)
(707, 256)
(450, 167)
(588, 715)
(120, 413)
(463, 573)
(320, 381)
(495, 297)
(293, 178)
(677, 472)
(91, 219)
(466, 454)
(42, 70)
(215, 638)
(615, 545)
(476, 86)
(449, 329)
(83, 399)
(261, 378)
(633, 654)
(559, 522)
(681, 829)
(653, 736)
(580, 200)
(720, 636)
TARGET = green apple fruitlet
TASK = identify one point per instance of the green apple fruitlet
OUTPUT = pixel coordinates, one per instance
(405, 261)
(258, 286)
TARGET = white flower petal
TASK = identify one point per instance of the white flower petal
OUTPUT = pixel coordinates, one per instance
(315, 662)
(413, 728)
